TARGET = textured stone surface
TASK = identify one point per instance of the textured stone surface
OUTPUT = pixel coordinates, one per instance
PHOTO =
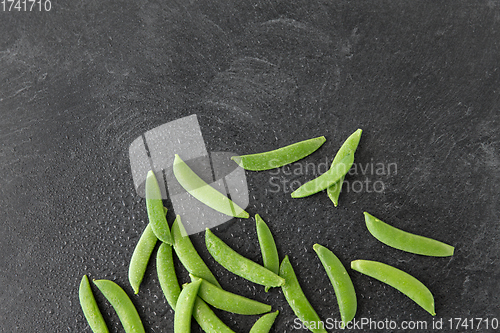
(81, 82)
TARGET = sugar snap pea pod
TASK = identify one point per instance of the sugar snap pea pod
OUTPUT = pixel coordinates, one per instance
(406, 241)
(207, 319)
(398, 279)
(205, 193)
(279, 157)
(297, 300)
(239, 265)
(166, 274)
(140, 257)
(122, 304)
(227, 301)
(156, 211)
(341, 282)
(188, 255)
(90, 308)
(185, 305)
(264, 324)
(351, 144)
(267, 246)
(333, 175)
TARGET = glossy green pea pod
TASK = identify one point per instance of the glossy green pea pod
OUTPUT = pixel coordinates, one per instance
(350, 145)
(227, 301)
(205, 193)
(239, 265)
(406, 241)
(332, 176)
(185, 306)
(297, 300)
(264, 324)
(122, 304)
(166, 274)
(188, 255)
(341, 282)
(90, 308)
(399, 280)
(140, 257)
(156, 211)
(279, 157)
(207, 319)
(267, 246)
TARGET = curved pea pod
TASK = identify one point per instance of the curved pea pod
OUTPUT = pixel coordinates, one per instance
(279, 157)
(264, 324)
(140, 257)
(297, 300)
(122, 304)
(227, 301)
(90, 308)
(166, 274)
(406, 241)
(205, 193)
(188, 255)
(267, 246)
(207, 319)
(399, 280)
(341, 282)
(185, 305)
(239, 265)
(156, 211)
(350, 145)
(332, 176)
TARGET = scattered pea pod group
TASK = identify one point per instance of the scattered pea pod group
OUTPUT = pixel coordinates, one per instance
(191, 300)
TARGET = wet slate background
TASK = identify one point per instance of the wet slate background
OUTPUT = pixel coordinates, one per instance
(80, 82)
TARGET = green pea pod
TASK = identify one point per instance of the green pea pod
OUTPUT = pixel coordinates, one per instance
(207, 319)
(333, 175)
(350, 145)
(205, 193)
(406, 241)
(140, 257)
(341, 282)
(185, 305)
(226, 301)
(267, 246)
(264, 324)
(297, 300)
(239, 265)
(122, 304)
(156, 211)
(166, 274)
(90, 308)
(398, 279)
(188, 255)
(279, 157)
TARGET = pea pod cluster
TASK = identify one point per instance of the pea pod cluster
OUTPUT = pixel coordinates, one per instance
(195, 298)
(187, 302)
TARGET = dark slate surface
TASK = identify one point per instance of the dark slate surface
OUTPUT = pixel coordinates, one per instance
(80, 82)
